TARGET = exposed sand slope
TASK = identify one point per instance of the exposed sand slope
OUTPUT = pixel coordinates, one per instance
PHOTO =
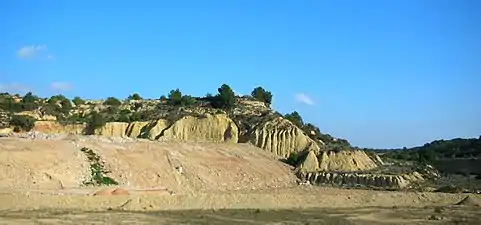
(182, 167)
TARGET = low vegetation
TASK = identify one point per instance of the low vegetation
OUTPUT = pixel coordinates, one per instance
(22, 123)
(97, 170)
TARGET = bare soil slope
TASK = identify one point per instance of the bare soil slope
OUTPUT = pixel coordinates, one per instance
(182, 167)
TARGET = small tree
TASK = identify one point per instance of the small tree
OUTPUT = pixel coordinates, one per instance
(163, 98)
(56, 98)
(66, 106)
(29, 98)
(134, 96)
(175, 97)
(29, 101)
(225, 98)
(188, 100)
(96, 121)
(262, 95)
(112, 101)
(78, 101)
(295, 118)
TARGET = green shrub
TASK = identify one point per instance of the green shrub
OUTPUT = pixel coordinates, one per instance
(112, 101)
(78, 101)
(96, 121)
(175, 97)
(22, 122)
(29, 98)
(262, 95)
(56, 98)
(293, 159)
(163, 98)
(134, 96)
(7, 103)
(97, 170)
(295, 118)
(29, 102)
(188, 100)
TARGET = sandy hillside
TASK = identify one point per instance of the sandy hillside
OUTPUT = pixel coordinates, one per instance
(182, 167)
(40, 182)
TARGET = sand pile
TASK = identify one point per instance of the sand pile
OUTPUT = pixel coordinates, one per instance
(182, 167)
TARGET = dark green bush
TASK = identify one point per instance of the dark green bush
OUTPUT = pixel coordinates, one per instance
(262, 95)
(21, 122)
(134, 96)
(293, 159)
(112, 101)
(78, 101)
(225, 98)
(96, 121)
(175, 97)
(295, 118)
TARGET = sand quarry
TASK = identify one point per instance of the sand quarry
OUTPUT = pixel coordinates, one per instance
(192, 183)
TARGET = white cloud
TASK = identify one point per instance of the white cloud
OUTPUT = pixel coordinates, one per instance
(14, 88)
(304, 98)
(31, 51)
(61, 86)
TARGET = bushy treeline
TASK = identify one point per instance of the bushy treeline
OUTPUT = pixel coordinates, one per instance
(439, 149)
(60, 106)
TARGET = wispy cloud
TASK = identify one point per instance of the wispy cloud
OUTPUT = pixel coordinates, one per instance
(14, 88)
(31, 51)
(61, 86)
(305, 99)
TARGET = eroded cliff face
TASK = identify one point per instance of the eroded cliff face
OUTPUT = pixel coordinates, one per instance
(281, 137)
(278, 135)
(345, 161)
(362, 180)
(54, 127)
(349, 160)
(211, 128)
(214, 128)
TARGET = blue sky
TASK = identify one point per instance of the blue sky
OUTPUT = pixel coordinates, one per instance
(378, 73)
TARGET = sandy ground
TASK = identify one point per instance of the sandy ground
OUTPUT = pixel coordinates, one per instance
(301, 205)
(40, 183)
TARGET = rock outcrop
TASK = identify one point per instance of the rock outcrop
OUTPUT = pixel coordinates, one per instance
(346, 161)
(361, 180)
(53, 127)
(281, 137)
(213, 128)
(310, 163)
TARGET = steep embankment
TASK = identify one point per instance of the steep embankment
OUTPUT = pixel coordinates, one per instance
(177, 166)
(342, 161)
(275, 135)
(281, 137)
(278, 135)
